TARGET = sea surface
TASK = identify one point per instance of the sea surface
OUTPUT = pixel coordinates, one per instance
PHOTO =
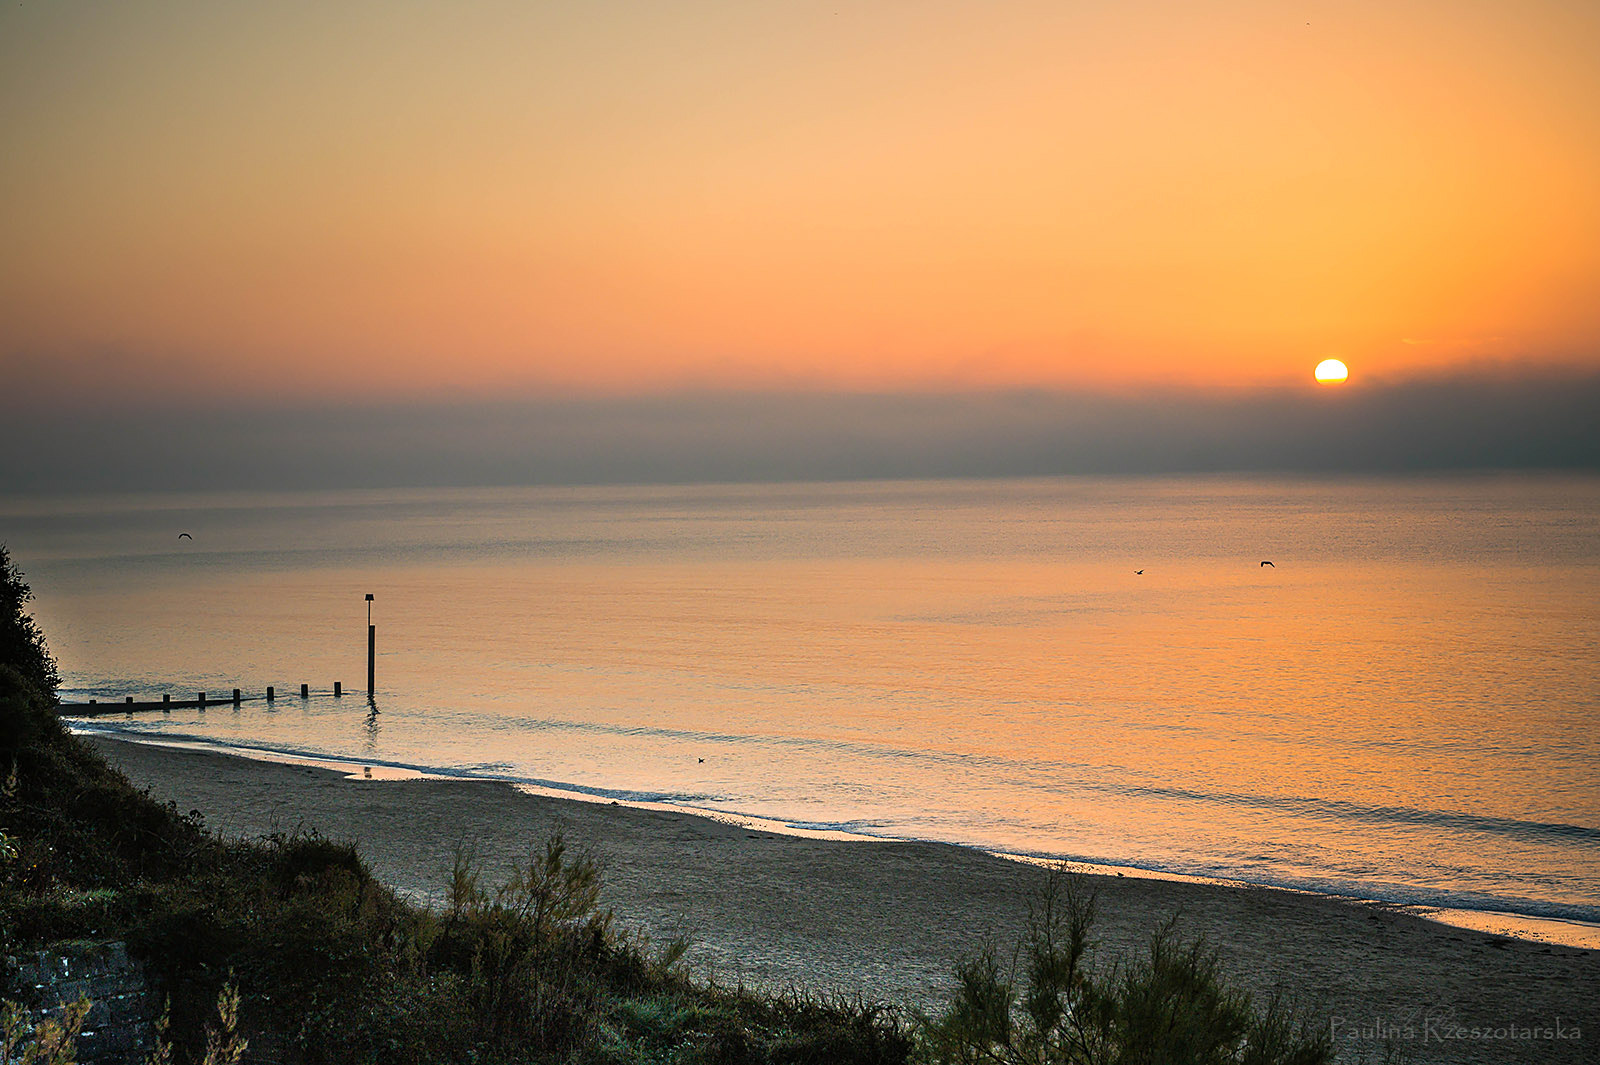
(1403, 706)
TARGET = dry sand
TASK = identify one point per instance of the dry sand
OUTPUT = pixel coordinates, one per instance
(891, 919)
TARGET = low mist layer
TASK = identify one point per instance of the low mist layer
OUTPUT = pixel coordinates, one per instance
(1487, 421)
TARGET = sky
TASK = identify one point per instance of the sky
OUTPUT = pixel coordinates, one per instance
(404, 210)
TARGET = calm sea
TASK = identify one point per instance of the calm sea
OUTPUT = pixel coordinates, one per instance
(1404, 706)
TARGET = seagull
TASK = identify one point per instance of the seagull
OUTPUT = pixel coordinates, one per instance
(1269, 564)
(702, 759)
(1137, 572)
(185, 536)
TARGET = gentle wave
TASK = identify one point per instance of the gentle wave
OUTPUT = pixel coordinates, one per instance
(1372, 814)
(481, 771)
(1332, 809)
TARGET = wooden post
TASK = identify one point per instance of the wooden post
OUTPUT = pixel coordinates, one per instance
(166, 699)
(202, 700)
(305, 691)
(372, 648)
(338, 689)
(129, 699)
(269, 693)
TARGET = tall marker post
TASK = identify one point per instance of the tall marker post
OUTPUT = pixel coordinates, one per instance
(372, 649)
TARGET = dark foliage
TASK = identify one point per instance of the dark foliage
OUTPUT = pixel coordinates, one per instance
(1172, 1008)
(22, 645)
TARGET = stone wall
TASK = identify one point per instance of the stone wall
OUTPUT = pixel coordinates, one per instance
(119, 1029)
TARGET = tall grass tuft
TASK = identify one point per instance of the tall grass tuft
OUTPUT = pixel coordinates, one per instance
(52, 1042)
(529, 952)
(1050, 1007)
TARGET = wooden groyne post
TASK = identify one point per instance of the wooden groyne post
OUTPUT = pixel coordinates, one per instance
(130, 704)
(201, 701)
(372, 649)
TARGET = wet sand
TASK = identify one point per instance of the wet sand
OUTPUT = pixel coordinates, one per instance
(890, 920)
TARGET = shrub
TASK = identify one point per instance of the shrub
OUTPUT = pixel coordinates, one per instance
(1172, 1008)
(22, 645)
(53, 1042)
(532, 951)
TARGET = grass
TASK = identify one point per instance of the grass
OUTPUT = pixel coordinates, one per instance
(1050, 1007)
(291, 944)
(50, 1043)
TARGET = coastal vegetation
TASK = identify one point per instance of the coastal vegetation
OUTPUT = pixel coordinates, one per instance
(289, 945)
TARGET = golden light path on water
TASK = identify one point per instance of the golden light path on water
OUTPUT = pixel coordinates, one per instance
(1402, 708)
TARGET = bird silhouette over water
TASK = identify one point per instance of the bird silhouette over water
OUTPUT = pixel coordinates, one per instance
(185, 536)
(1137, 572)
(1265, 563)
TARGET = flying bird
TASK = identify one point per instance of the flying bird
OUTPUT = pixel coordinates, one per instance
(185, 536)
(1137, 572)
(1264, 563)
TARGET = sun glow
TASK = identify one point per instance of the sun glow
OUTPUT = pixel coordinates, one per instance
(484, 199)
(1332, 371)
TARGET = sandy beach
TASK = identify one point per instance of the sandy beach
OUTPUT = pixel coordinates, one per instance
(890, 920)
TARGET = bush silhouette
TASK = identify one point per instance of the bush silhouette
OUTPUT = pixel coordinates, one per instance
(1171, 1008)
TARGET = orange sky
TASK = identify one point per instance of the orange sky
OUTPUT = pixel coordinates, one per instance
(404, 199)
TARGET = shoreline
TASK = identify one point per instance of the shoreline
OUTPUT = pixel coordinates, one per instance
(889, 920)
(1560, 931)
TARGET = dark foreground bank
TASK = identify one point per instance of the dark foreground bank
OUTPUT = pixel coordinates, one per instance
(891, 920)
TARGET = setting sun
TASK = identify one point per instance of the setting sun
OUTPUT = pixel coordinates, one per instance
(1332, 371)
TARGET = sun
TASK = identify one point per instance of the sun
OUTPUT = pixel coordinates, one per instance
(1332, 371)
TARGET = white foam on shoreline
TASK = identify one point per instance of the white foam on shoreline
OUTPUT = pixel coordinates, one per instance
(1557, 931)
(348, 768)
(757, 824)
(1554, 931)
